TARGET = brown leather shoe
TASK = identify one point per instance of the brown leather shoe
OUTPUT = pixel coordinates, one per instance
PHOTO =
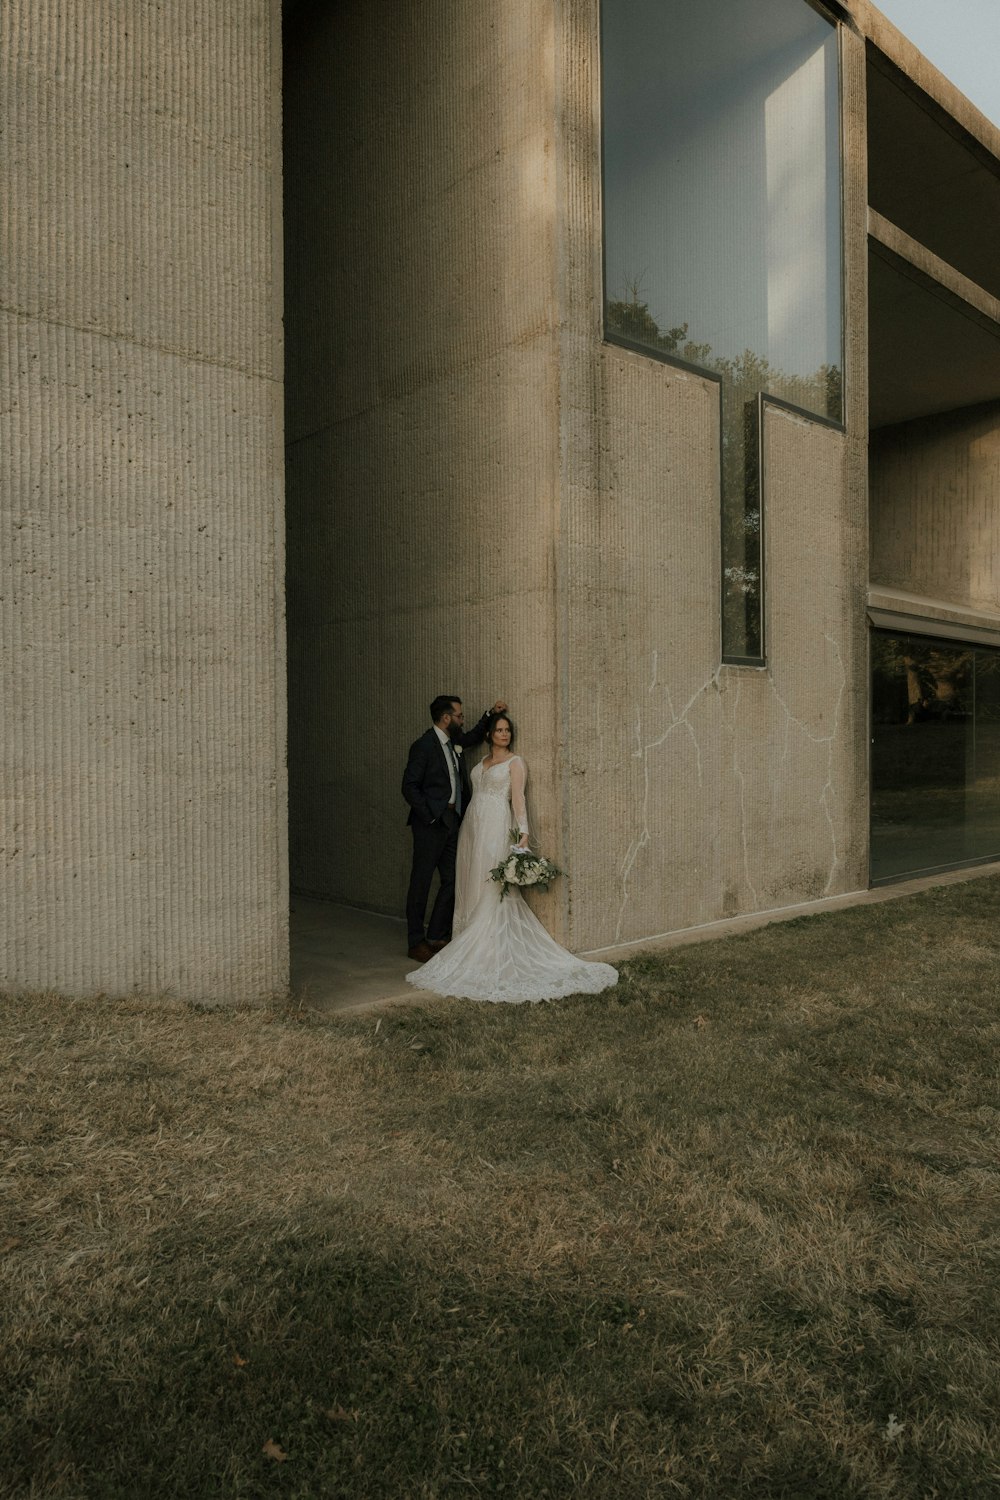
(420, 952)
(436, 944)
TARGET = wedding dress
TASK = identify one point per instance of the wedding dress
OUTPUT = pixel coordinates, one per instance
(499, 949)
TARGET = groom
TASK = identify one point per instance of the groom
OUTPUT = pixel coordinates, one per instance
(436, 785)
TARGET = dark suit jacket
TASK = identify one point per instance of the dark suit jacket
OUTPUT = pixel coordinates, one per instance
(426, 782)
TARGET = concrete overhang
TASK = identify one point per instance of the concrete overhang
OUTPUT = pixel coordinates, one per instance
(915, 614)
(933, 157)
(933, 335)
(917, 72)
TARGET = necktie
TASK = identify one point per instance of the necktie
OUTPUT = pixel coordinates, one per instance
(458, 780)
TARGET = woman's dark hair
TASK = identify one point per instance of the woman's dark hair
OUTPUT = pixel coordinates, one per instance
(493, 724)
(442, 705)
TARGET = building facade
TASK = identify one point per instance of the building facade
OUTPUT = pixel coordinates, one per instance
(639, 364)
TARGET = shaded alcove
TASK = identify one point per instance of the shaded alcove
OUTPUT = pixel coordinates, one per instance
(341, 575)
(420, 439)
(934, 482)
(345, 847)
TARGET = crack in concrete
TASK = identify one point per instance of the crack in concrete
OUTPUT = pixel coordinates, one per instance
(682, 721)
(677, 721)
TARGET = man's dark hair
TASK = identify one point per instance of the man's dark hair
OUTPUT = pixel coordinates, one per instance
(442, 705)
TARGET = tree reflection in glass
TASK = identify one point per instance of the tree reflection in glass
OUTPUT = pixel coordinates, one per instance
(722, 216)
(935, 753)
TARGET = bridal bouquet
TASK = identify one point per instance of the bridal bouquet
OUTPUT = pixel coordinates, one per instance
(521, 867)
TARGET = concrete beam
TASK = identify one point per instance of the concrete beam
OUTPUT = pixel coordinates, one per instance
(936, 274)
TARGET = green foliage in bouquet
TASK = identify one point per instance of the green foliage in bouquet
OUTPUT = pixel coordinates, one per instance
(522, 867)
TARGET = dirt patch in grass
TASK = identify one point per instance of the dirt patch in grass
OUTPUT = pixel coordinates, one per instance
(730, 1230)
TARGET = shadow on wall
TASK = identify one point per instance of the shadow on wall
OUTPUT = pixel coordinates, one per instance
(419, 431)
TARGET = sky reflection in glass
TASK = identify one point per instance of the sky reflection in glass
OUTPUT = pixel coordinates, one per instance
(723, 224)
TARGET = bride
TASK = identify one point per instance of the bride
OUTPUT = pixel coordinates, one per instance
(499, 949)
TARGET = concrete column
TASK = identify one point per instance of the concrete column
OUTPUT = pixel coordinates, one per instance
(141, 602)
(694, 791)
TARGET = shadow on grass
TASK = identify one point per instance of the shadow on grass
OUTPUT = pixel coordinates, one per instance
(383, 1371)
(729, 1231)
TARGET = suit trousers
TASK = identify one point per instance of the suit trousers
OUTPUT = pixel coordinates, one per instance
(434, 848)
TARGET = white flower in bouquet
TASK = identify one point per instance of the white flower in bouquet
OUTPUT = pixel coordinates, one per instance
(522, 867)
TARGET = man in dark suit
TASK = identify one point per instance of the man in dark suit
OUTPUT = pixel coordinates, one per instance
(436, 785)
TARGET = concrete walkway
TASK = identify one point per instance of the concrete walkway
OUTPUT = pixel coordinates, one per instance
(346, 960)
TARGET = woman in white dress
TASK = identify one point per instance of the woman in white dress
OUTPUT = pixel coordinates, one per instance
(499, 949)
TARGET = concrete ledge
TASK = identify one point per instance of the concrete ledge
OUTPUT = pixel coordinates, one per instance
(346, 959)
(934, 273)
(891, 608)
(731, 926)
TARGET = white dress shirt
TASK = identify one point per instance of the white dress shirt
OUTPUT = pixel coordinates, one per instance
(451, 759)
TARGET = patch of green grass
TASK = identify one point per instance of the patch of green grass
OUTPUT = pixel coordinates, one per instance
(701, 1236)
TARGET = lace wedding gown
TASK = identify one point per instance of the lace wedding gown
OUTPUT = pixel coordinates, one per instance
(499, 949)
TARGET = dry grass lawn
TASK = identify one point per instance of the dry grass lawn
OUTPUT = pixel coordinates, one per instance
(731, 1231)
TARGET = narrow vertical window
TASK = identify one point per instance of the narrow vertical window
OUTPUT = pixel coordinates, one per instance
(722, 228)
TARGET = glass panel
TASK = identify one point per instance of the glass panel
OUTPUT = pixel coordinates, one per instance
(923, 779)
(722, 223)
(742, 524)
(984, 796)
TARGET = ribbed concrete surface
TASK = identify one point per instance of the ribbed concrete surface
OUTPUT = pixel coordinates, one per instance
(697, 792)
(694, 792)
(934, 506)
(141, 435)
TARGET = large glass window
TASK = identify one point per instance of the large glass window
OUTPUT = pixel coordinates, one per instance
(935, 754)
(722, 226)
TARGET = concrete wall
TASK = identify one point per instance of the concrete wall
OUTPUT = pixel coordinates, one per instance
(694, 791)
(485, 499)
(935, 507)
(142, 498)
(421, 410)
(697, 791)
